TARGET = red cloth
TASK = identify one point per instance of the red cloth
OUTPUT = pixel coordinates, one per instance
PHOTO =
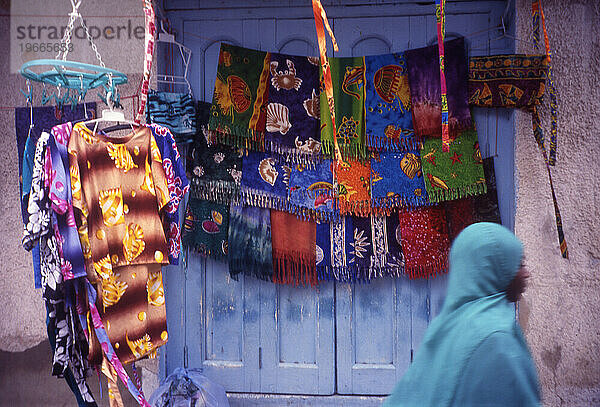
(459, 214)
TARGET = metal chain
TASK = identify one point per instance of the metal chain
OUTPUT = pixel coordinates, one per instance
(68, 32)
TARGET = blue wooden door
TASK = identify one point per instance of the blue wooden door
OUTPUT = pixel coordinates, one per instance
(253, 336)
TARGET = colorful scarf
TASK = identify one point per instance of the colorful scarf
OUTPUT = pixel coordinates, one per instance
(456, 174)
(397, 180)
(175, 111)
(265, 181)
(388, 115)
(293, 241)
(249, 240)
(311, 190)
(459, 214)
(348, 76)
(293, 112)
(206, 228)
(354, 187)
(516, 81)
(425, 242)
(238, 112)
(215, 171)
(334, 243)
(424, 80)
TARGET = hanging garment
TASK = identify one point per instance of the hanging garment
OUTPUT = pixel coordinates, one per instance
(455, 174)
(424, 234)
(388, 111)
(397, 180)
(249, 240)
(424, 79)
(353, 179)
(293, 246)
(485, 206)
(265, 181)
(206, 228)
(293, 111)
(175, 111)
(310, 191)
(476, 346)
(214, 170)
(238, 112)
(334, 243)
(348, 77)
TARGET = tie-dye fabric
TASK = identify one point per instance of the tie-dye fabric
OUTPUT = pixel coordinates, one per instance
(175, 111)
(311, 190)
(388, 115)
(354, 187)
(425, 89)
(238, 112)
(425, 243)
(348, 76)
(293, 111)
(397, 180)
(206, 228)
(455, 174)
(265, 181)
(249, 240)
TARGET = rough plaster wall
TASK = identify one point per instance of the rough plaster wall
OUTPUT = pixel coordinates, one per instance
(561, 309)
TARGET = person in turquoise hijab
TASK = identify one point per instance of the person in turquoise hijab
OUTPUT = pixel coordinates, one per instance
(474, 353)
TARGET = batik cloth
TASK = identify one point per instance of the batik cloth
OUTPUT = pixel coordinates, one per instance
(397, 180)
(516, 81)
(175, 111)
(311, 190)
(388, 114)
(265, 180)
(455, 174)
(459, 214)
(293, 111)
(440, 14)
(249, 240)
(334, 243)
(354, 187)
(118, 199)
(206, 227)
(238, 112)
(425, 89)
(348, 77)
(293, 242)
(425, 242)
(485, 206)
(214, 170)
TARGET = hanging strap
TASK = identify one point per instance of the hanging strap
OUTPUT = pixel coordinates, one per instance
(536, 13)
(440, 14)
(320, 20)
(148, 56)
(114, 395)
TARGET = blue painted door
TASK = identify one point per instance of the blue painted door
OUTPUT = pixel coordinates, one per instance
(253, 336)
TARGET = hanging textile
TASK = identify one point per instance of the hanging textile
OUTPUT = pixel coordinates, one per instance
(425, 243)
(206, 228)
(456, 174)
(149, 32)
(348, 78)
(353, 179)
(311, 190)
(397, 180)
(175, 111)
(265, 181)
(249, 240)
(334, 243)
(440, 14)
(388, 114)
(215, 170)
(485, 206)
(238, 112)
(459, 214)
(424, 80)
(293, 241)
(293, 111)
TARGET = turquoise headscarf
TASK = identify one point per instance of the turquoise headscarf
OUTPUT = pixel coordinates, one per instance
(474, 353)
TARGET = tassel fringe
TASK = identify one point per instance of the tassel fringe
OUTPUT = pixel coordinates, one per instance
(294, 268)
(440, 195)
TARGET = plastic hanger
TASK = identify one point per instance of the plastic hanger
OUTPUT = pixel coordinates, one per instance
(186, 56)
(112, 115)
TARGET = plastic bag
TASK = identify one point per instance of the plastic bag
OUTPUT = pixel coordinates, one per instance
(188, 388)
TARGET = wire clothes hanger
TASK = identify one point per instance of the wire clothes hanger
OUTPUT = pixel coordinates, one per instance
(186, 56)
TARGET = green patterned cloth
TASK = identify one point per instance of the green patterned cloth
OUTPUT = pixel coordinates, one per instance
(206, 228)
(348, 77)
(240, 96)
(456, 174)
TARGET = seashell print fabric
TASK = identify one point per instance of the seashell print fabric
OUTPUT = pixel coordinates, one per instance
(293, 110)
(205, 228)
(265, 181)
(388, 113)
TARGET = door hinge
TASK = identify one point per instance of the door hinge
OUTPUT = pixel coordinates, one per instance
(185, 356)
(260, 358)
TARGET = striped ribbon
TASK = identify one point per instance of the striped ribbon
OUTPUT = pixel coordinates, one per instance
(148, 56)
(536, 13)
(440, 14)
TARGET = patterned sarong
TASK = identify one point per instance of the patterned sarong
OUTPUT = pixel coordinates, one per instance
(354, 187)
(311, 191)
(265, 181)
(206, 228)
(175, 111)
